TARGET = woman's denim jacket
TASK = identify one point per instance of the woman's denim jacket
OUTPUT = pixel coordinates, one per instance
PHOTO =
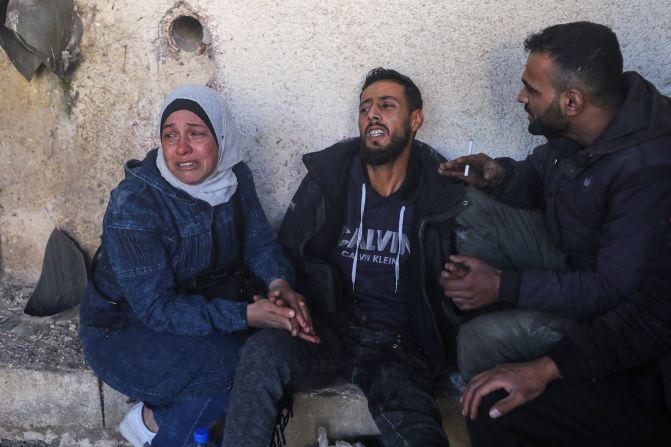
(156, 239)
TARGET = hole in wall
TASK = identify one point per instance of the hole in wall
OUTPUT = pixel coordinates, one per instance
(186, 33)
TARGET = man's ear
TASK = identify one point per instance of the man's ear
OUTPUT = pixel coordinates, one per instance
(573, 101)
(416, 119)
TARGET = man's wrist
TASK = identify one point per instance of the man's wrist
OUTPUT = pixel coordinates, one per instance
(548, 369)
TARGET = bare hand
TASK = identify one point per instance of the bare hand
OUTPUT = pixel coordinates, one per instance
(263, 313)
(470, 282)
(484, 171)
(282, 294)
(523, 382)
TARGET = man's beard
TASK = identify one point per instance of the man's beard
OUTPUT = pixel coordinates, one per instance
(383, 155)
(552, 122)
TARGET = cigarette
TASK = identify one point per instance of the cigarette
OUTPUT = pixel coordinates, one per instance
(470, 151)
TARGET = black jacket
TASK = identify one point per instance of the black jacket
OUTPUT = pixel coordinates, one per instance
(607, 206)
(635, 333)
(313, 224)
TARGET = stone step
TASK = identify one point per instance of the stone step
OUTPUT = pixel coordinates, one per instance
(59, 407)
(72, 408)
(343, 411)
(49, 396)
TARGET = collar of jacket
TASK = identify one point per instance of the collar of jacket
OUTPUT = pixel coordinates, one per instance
(146, 172)
(645, 114)
(435, 194)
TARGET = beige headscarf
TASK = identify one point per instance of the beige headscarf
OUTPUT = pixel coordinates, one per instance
(221, 184)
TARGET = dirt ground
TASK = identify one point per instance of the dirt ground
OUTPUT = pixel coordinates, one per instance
(8, 443)
(35, 342)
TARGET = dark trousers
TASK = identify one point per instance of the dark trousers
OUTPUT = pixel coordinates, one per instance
(391, 373)
(623, 410)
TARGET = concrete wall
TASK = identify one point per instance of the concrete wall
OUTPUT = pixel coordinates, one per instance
(291, 70)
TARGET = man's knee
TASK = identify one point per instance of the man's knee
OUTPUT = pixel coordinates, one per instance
(506, 336)
(266, 348)
(475, 343)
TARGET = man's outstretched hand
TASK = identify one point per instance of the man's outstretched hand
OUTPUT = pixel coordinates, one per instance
(523, 382)
(483, 172)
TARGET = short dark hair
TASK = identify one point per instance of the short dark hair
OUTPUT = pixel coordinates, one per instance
(412, 93)
(587, 56)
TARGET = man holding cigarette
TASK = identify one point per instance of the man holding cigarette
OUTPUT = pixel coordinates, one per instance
(603, 185)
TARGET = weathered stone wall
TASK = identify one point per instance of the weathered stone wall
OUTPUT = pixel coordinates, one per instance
(291, 70)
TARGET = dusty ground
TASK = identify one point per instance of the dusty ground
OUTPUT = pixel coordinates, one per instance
(35, 342)
(8, 443)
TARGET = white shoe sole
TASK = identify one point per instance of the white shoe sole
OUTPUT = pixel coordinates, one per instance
(131, 432)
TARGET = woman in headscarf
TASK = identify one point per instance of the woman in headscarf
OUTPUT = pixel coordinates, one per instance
(148, 329)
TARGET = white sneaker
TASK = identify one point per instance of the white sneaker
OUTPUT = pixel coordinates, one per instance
(133, 428)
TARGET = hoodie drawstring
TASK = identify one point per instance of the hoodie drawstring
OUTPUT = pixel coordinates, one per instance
(360, 235)
(397, 269)
(397, 266)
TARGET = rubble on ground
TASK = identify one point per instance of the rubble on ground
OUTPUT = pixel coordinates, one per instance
(8, 443)
(36, 342)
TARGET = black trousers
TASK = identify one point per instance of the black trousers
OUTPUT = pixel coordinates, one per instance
(627, 410)
(392, 375)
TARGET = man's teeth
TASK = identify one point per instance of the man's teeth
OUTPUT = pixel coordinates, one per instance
(375, 133)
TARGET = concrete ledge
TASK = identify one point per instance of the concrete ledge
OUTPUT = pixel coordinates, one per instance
(48, 394)
(71, 408)
(57, 436)
(61, 408)
(50, 398)
(343, 411)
